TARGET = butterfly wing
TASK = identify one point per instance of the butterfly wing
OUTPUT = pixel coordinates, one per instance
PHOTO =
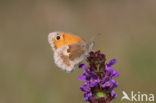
(69, 49)
(68, 56)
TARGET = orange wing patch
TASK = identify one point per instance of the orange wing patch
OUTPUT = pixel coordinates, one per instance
(66, 39)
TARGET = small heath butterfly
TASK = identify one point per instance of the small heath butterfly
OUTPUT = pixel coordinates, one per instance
(69, 50)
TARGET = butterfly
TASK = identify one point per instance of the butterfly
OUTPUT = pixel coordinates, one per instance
(69, 49)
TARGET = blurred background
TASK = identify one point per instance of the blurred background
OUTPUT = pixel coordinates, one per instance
(27, 70)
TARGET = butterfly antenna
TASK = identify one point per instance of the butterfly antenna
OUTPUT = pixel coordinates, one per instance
(94, 36)
(91, 41)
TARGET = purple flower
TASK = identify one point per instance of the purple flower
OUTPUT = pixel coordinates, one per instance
(112, 62)
(113, 94)
(91, 78)
(85, 87)
(111, 84)
(83, 66)
(87, 95)
(111, 72)
(98, 79)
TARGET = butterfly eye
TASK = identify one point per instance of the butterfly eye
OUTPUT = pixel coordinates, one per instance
(58, 37)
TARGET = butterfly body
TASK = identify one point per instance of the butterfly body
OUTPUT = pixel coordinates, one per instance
(69, 50)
